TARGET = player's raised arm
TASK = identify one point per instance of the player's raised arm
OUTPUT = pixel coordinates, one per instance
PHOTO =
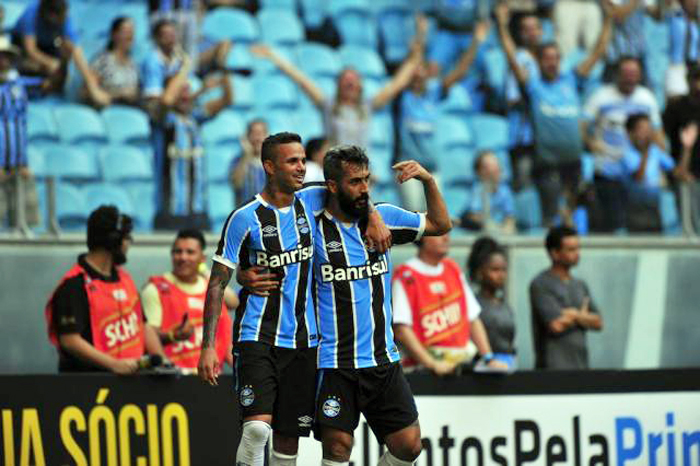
(208, 366)
(437, 218)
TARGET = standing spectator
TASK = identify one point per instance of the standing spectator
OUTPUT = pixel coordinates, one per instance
(606, 112)
(577, 23)
(555, 110)
(48, 41)
(15, 174)
(114, 68)
(562, 310)
(161, 63)
(347, 117)
(685, 46)
(173, 304)
(628, 39)
(521, 134)
(315, 153)
(435, 312)
(81, 319)
(179, 152)
(645, 164)
(491, 203)
(247, 172)
(488, 269)
(183, 13)
(419, 112)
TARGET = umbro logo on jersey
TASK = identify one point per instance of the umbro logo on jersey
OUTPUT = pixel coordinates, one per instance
(334, 246)
(305, 421)
(269, 230)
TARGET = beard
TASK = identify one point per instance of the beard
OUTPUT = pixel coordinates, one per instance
(118, 257)
(357, 207)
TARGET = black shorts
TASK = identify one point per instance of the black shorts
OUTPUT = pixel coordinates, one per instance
(381, 394)
(276, 381)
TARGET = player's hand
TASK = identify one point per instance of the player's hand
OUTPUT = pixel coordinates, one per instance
(125, 366)
(481, 31)
(101, 97)
(411, 169)
(442, 368)
(208, 367)
(377, 235)
(257, 280)
(185, 330)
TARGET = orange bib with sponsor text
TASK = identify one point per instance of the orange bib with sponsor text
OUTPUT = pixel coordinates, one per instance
(116, 318)
(175, 303)
(439, 306)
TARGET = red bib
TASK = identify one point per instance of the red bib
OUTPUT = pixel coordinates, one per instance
(438, 304)
(175, 303)
(116, 318)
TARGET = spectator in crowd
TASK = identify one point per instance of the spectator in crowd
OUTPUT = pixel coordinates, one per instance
(577, 23)
(173, 304)
(100, 327)
(247, 172)
(645, 165)
(164, 61)
(315, 152)
(48, 41)
(491, 203)
(606, 112)
(562, 309)
(179, 153)
(347, 117)
(521, 133)
(435, 312)
(419, 112)
(488, 270)
(182, 13)
(114, 68)
(555, 110)
(16, 179)
(685, 46)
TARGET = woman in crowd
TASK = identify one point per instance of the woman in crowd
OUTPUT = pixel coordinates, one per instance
(488, 271)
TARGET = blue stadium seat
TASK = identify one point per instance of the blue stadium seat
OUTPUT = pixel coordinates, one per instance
(496, 69)
(453, 132)
(278, 120)
(382, 133)
(220, 205)
(225, 129)
(41, 126)
(218, 162)
(490, 131)
(123, 163)
(456, 165)
(458, 102)
(309, 124)
(36, 161)
(240, 59)
(457, 196)
(386, 192)
(280, 27)
(670, 219)
(281, 4)
(127, 125)
(230, 24)
(263, 66)
(318, 60)
(79, 124)
(13, 10)
(364, 60)
(71, 163)
(71, 208)
(313, 12)
(143, 194)
(355, 24)
(528, 211)
(108, 194)
(380, 161)
(274, 92)
(243, 98)
(396, 26)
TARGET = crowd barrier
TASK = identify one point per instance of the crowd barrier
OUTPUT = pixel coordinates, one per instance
(527, 418)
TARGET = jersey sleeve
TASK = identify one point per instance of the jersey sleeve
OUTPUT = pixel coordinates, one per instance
(150, 303)
(401, 308)
(313, 195)
(233, 237)
(70, 305)
(405, 226)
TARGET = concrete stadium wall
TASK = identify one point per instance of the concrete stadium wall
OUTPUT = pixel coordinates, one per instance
(647, 290)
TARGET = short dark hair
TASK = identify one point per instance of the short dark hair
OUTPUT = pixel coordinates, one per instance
(634, 119)
(556, 235)
(56, 7)
(160, 24)
(626, 58)
(547, 45)
(253, 122)
(107, 227)
(314, 145)
(271, 142)
(336, 156)
(192, 233)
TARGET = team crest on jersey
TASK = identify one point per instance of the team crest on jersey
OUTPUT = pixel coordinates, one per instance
(269, 230)
(247, 396)
(303, 225)
(334, 246)
(331, 407)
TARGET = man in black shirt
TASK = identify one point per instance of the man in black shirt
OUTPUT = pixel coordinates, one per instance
(94, 316)
(680, 113)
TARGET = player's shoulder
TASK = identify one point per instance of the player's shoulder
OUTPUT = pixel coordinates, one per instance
(308, 188)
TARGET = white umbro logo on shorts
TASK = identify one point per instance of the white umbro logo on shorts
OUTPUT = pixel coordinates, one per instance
(269, 230)
(334, 246)
(305, 421)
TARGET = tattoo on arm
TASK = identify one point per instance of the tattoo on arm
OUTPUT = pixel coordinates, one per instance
(218, 281)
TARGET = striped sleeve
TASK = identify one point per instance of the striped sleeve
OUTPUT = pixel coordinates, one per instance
(232, 240)
(405, 226)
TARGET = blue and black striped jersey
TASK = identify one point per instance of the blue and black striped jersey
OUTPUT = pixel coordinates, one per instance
(281, 240)
(13, 123)
(353, 290)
